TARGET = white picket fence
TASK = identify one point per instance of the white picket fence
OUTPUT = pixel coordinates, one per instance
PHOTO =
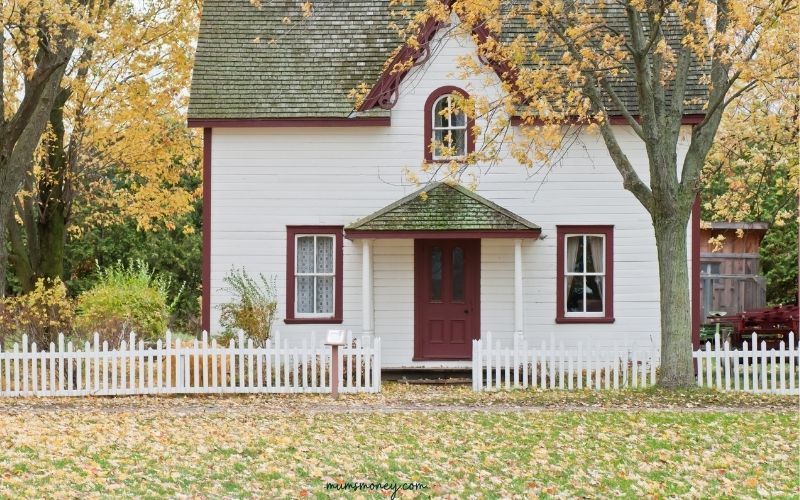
(554, 366)
(549, 365)
(749, 369)
(198, 367)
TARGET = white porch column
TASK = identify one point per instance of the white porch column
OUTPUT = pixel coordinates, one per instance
(518, 316)
(367, 318)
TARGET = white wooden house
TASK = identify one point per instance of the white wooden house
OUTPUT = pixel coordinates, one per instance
(301, 186)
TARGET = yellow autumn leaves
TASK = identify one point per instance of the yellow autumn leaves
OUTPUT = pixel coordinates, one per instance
(293, 445)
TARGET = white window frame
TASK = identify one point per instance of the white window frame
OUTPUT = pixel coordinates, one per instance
(568, 274)
(297, 274)
(450, 128)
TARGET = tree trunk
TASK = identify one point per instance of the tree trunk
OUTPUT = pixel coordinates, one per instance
(40, 254)
(676, 319)
(52, 214)
(3, 252)
(52, 238)
(16, 159)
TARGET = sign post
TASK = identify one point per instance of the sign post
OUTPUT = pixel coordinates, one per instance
(335, 339)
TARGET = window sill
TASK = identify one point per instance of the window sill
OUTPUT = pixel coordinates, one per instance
(569, 320)
(313, 321)
(447, 160)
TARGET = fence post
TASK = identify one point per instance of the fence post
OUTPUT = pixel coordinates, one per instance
(376, 367)
(335, 371)
(476, 364)
(179, 367)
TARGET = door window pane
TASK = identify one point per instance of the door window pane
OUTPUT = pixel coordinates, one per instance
(458, 273)
(436, 273)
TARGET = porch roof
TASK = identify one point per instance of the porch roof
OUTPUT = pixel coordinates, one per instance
(441, 210)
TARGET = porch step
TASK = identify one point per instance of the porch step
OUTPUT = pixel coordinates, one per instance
(438, 381)
(429, 376)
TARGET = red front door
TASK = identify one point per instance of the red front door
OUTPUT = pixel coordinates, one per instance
(447, 298)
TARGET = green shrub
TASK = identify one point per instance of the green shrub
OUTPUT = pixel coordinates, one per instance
(41, 314)
(253, 308)
(125, 299)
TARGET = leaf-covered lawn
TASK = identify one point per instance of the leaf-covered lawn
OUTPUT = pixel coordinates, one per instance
(289, 447)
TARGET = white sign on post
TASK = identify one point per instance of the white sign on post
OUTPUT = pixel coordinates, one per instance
(335, 337)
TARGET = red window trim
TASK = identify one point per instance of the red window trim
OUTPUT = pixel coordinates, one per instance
(562, 231)
(291, 233)
(448, 89)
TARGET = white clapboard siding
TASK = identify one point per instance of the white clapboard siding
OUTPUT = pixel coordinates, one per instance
(551, 365)
(197, 367)
(753, 368)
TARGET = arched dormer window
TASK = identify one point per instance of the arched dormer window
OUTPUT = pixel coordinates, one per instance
(448, 131)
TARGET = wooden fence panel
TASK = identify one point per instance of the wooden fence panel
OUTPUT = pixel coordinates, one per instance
(754, 368)
(554, 366)
(198, 367)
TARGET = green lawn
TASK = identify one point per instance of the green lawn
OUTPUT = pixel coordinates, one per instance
(280, 447)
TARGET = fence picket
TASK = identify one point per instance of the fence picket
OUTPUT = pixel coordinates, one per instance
(726, 356)
(61, 366)
(717, 362)
(6, 387)
(763, 359)
(87, 368)
(349, 353)
(24, 360)
(358, 364)
(773, 375)
(794, 350)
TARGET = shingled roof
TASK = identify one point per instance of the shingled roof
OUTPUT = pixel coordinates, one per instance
(442, 207)
(251, 64)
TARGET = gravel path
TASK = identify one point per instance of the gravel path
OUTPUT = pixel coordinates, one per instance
(180, 407)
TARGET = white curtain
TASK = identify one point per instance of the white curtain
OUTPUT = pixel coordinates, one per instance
(594, 249)
(595, 253)
(324, 283)
(573, 242)
(305, 254)
(304, 301)
(324, 255)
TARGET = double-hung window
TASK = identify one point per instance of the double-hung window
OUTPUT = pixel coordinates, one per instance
(585, 274)
(314, 279)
